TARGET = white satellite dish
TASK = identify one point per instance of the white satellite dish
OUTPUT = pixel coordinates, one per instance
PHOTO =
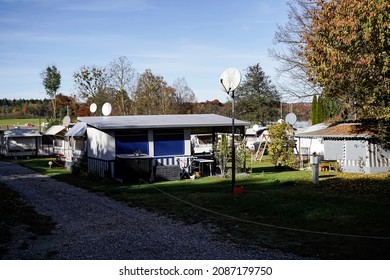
(93, 108)
(230, 80)
(106, 109)
(66, 121)
(256, 128)
(291, 118)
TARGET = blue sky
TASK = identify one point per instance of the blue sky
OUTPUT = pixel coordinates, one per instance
(195, 40)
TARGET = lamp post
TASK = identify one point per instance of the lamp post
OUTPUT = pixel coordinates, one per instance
(229, 81)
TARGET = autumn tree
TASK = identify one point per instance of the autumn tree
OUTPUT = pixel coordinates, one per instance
(92, 84)
(281, 146)
(153, 96)
(257, 100)
(52, 81)
(347, 54)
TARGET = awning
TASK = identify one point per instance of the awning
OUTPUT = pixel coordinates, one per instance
(55, 130)
(78, 130)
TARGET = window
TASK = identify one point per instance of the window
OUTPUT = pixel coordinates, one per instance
(130, 142)
(168, 142)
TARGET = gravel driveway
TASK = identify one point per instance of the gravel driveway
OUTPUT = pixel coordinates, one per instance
(92, 226)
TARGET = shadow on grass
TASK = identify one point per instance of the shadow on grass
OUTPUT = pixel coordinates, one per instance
(279, 209)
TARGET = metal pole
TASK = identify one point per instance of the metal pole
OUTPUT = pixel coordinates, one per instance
(233, 148)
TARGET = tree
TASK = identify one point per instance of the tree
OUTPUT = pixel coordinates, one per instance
(347, 53)
(282, 144)
(222, 155)
(257, 100)
(291, 65)
(92, 83)
(122, 78)
(314, 110)
(153, 96)
(184, 96)
(52, 81)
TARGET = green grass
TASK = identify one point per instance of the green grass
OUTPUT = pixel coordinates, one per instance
(11, 123)
(279, 209)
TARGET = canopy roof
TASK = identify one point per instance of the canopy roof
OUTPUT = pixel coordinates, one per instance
(56, 130)
(78, 130)
(20, 132)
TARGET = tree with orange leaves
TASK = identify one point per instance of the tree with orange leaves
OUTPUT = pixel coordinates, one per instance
(347, 53)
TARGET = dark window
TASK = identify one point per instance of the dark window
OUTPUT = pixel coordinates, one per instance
(168, 142)
(130, 142)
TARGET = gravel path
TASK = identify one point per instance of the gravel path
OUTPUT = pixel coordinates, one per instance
(91, 226)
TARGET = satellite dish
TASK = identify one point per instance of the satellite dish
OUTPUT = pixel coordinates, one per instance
(66, 121)
(291, 118)
(230, 80)
(256, 128)
(93, 108)
(106, 109)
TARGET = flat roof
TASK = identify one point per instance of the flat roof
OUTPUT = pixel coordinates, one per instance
(21, 132)
(161, 121)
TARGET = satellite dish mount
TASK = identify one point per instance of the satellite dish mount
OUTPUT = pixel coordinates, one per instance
(229, 81)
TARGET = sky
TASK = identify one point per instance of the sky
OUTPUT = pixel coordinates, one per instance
(195, 40)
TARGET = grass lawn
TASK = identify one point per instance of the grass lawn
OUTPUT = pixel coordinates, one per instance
(345, 217)
(20, 122)
(11, 123)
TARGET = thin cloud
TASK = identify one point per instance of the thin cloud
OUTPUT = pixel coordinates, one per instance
(108, 6)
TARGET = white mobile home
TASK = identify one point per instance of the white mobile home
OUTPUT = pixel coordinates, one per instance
(308, 142)
(355, 146)
(20, 142)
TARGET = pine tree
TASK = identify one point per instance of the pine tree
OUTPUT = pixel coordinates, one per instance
(320, 109)
(314, 111)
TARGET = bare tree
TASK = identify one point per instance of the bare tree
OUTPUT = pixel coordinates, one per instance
(292, 68)
(122, 78)
(184, 96)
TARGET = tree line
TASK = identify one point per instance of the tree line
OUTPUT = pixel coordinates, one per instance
(130, 93)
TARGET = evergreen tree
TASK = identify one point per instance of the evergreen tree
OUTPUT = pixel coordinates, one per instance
(314, 113)
(257, 100)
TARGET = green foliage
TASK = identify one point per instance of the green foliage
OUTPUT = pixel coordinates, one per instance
(240, 157)
(257, 100)
(222, 155)
(324, 108)
(92, 84)
(314, 108)
(282, 144)
(51, 81)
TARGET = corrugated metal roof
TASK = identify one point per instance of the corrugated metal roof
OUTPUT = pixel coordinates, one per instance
(160, 121)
